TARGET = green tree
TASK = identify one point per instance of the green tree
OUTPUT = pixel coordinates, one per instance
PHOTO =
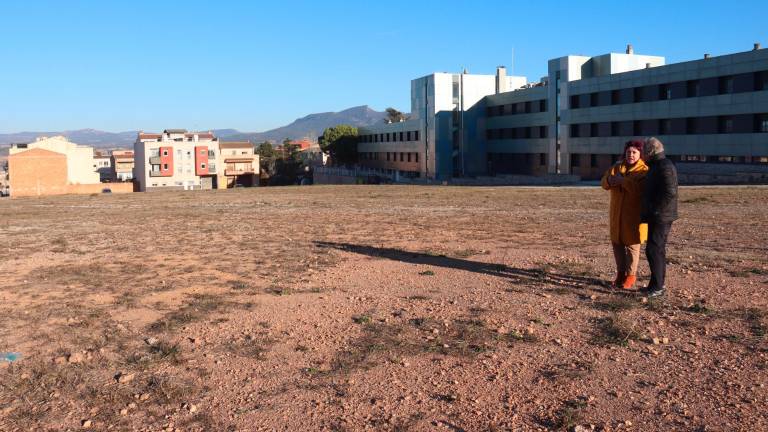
(340, 142)
(265, 150)
(395, 116)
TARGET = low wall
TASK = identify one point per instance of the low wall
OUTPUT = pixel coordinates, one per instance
(95, 188)
(721, 174)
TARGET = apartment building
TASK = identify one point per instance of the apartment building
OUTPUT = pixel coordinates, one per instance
(102, 163)
(711, 113)
(182, 160)
(175, 159)
(122, 165)
(240, 163)
(435, 142)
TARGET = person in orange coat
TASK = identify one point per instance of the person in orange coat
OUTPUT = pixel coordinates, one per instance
(625, 182)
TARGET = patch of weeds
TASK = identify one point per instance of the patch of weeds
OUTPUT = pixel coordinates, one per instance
(197, 309)
(301, 348)
(617, 304)
(699, 307)
(570, 415)
(573, 370)
(696, 200)
(362, 319)
(515, 335)
(417, 297)
(613, 330)
(748, 272)
(239, 285)
(658, 305)
(278, 291)
(251, 346)
(60, 244)
(466, 253)
(127, 300)
(754, 318)
(427, 273)
(433, 253)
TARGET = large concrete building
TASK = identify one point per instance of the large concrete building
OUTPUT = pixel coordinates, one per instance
(177, 159)
(711, 113)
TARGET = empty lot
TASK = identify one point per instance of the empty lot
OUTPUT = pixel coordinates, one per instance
(376, 307)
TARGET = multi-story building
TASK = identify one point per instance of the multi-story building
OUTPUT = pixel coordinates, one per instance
(102, 163)
(240, 163)
(80, 162)
(122, 165)
(436, 140)
(177, 159)
(53, 166)
(711, 113)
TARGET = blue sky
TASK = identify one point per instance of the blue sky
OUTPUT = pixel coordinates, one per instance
(151, 65)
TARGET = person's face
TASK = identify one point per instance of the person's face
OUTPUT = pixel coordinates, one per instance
(632, 155)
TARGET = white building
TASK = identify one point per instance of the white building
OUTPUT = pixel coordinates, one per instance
(81, 165)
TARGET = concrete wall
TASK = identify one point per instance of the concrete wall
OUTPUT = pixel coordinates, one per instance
(37, 172)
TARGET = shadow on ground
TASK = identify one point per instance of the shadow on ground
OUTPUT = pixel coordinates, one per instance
(517, 275)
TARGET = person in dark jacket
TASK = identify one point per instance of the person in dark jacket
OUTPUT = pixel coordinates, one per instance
(658, 210)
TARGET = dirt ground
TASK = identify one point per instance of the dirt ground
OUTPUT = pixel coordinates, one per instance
(377, 308)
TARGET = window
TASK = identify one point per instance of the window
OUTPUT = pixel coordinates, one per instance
(594, 130)
(409, 157)
(575, 160)
(691, 125)
(574, 131)
(528, 107)
(416, 135)
(401, 157)
(725, 85)
(639, 93)
(574, 101)
(202, 166)
(615, 131)
(202, 152)
(401, 136)
(637, 128)
(387, 156)
(615, 97)
(725, 124)
(408, 136)
(543, 105)
(692, 88)
(542, 131)
(542, 159)
(665, 126)
(417, 157)
(665, 93)
(761, 123)
(165, 152)
(388, 136)
(594, 100)
(189, 155)
(165, 167)
(593, 160)
(761, 81)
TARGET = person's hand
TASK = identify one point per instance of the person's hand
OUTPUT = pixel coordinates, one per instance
(616, 180)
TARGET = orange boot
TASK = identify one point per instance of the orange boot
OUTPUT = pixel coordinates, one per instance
(629, 282)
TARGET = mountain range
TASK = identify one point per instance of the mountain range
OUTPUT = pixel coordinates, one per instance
(310, 126)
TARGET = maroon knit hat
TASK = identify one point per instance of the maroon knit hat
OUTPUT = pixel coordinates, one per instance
(634, 143)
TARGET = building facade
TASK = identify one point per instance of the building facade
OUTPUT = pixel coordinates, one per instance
(181, 160)
(81, 165)
(102, 162)
(122, 165)
(711, 113)
(240, 163)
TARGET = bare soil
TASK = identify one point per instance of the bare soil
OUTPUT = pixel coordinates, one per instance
(377, 308)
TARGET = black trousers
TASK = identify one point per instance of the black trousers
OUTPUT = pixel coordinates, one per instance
(656, 252)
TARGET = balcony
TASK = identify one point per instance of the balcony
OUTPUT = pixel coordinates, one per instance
(154, 160)
(238, 171)
(156, 174)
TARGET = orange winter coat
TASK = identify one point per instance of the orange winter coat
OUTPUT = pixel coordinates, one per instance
(626, 228)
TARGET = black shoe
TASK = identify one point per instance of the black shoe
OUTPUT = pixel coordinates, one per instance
(655, 292)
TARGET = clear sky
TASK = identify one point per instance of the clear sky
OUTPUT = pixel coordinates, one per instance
(150, 65)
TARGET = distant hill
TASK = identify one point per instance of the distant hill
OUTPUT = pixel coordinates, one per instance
(311, 126)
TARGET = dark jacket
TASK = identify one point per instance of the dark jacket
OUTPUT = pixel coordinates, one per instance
(659, 202)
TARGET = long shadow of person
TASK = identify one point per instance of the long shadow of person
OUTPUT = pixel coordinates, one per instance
(518, 275)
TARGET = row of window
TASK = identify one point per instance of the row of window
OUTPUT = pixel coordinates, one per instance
(528, 107)
(391, 137)
(390, 156)
(741, 83)
(517, 133)
(741, 123)
(577, 159)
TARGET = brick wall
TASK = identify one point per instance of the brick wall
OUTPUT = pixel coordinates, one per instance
(37, 172)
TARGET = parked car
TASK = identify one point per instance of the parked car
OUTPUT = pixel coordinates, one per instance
(106, 191)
